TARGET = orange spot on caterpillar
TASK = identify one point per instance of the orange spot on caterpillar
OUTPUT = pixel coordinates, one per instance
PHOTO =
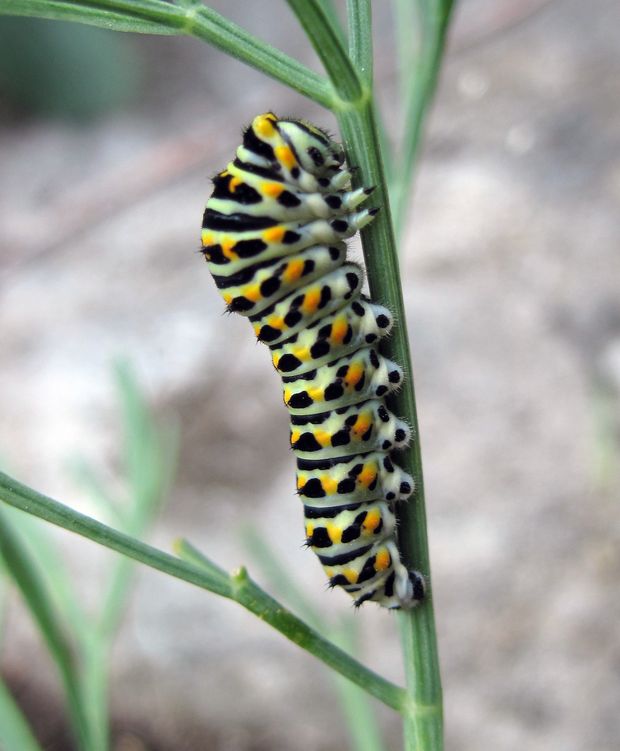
(252, 293)
(367, 475)
(329, 484)
(350, 575)
(339, 329)
(276, 322)
(363, 422)
(382, 560)
(371, 522)
(355, 372)
(293, 271)
(272, 190)
(274, 234)
(263, 125)
(334, 532)
(285, 156)
(227, 249)
(234, 183)
(302, 353)
(311, 301)
(323, 437)
(316, 394)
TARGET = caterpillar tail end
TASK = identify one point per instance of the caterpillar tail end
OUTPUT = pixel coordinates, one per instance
(409, 588)
(409, 591)
(416, 589)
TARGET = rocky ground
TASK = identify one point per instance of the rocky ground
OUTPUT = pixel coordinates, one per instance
(512, 280)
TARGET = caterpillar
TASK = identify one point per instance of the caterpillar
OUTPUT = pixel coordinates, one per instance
(273, 236)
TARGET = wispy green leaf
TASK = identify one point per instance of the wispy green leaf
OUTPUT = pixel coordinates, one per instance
(15, 732)
(24, 572)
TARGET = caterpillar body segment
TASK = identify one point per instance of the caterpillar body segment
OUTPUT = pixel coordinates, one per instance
(308, 304)
(350, 329)
(251, 195)
(251, 290)
(354, 378)
(238, 240)
(362, 477)
(365, 426)
(273, 233)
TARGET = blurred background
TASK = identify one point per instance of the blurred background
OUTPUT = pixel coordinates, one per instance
(512, 284)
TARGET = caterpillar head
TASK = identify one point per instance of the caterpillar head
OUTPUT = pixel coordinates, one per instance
(316, 152)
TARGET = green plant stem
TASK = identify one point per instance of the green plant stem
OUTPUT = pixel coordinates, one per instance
(436, 17)
(15, 733)
(251, 596)
(356, 708)
(424, 718)
(27, 578)
(360, 39)
(329, 9)
(424, 721)
(238, 587)
(328, 45)
(349, 97)
(84, 12)
(156, 17)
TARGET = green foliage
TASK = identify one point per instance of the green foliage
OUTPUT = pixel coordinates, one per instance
(64, 70)
(15, 732)
(79, 642)
(347, 91)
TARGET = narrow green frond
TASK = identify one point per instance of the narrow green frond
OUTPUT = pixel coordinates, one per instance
(238, 586)
(85, 12)
(328, 45)
(359, 15)
(15, 732)
(31, 585)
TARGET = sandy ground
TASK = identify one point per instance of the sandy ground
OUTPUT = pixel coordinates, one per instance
(512, 279)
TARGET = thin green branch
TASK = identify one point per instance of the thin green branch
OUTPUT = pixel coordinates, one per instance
(156, 17)
(278, 577)
(327, 43)
(232, 39)
(349, 97)
(358, 713)
(423, 727)
(238, 587)
(331, 13)
(360, 38)
(30, 583)
(85, 12)
(435, 16)
(424, 717)
(407, 37)
(15, 733)
(247, 593)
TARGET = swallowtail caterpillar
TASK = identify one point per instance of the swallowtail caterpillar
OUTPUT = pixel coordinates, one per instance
(273, 236)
